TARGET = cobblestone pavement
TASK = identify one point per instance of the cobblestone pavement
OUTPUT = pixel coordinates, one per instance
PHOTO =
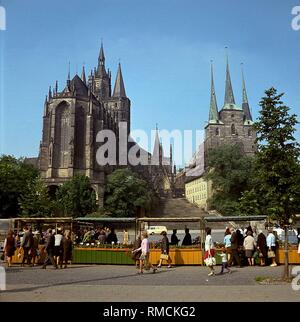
(122, 283)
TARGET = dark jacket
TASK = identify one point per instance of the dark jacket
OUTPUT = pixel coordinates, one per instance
(50, 241)
(112, 237)
(234, 240)
(137, 245)
(165, 245)
(174, 239)
(27, 241)
(262, 244)
(67, 249)
(187, 240)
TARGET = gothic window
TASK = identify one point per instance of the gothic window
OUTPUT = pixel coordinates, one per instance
(62, 129)
(233, 130)
(249, 132)
(80, 137)
(217, 131)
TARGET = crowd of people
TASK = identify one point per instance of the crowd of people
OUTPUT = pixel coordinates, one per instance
(56, 243)
(102, 235)
(242, 247)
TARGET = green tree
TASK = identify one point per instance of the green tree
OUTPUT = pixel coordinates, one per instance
(76, 197)
(126, 193)
(15, 175)
(35, 201)
(277, 189)
(231, 173)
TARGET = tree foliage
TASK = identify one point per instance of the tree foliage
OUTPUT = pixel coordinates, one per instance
(15, 176)
(76, 198)
(231, 173)
(35, 201)
(276, 191)
(126, 193)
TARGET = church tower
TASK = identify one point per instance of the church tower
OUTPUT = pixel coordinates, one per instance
(72, 119)
(232, 124)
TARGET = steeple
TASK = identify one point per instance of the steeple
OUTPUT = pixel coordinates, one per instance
(101, 72)
(155, 160)
(83, 78)
(245, 104)
(229, 97)
(101, 58)
(213, 109)
(50, 93)
(119, 90)
(56, 87)
(69, 79)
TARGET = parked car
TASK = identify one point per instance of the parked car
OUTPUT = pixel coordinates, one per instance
(153, 230)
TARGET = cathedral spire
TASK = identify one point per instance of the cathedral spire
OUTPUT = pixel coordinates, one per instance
(83, 75)
(101, 58)
(229, 97)
(101, 72)
(213, 109)
(50, 93)
(245, 103)
(119, 89)
(156, 149)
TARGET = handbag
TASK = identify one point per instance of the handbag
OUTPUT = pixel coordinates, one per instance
(271, 254)
(164, 256)
(210, 261)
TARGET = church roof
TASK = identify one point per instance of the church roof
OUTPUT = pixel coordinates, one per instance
(119, 89)
(80, 88)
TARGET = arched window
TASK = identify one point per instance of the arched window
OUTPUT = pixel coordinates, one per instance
(249, 132)
(62, 130)
(233, 130)
(217, 131)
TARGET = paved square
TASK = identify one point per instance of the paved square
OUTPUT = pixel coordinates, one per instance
(106, 283)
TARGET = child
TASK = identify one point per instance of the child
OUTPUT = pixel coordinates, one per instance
(224, 261)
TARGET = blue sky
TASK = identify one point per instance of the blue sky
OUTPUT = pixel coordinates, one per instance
(165, 48)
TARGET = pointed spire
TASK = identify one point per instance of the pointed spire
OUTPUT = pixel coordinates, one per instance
(155, 160)
(101, 55)
(56, 87)
(171, 155)
(229, 97)
(50, 93)
(83, 75)
(245, 103)
(69, 72)
(213, 109)
(119, 90)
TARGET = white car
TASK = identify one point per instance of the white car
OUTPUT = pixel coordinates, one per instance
(153, 230)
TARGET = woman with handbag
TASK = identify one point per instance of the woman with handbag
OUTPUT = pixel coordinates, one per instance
(209, 252)
(164, 250)
(144, 258)
(262, 248)
(271, 244)
(9, 247)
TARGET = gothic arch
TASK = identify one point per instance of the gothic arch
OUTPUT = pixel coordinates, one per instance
(62, 133)
(233, 129)
(80, 137)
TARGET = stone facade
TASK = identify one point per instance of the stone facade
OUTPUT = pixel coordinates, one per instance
(71, 121)
(231, 125)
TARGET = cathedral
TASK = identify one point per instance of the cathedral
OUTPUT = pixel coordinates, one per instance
(71, 121)
(232, 125)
